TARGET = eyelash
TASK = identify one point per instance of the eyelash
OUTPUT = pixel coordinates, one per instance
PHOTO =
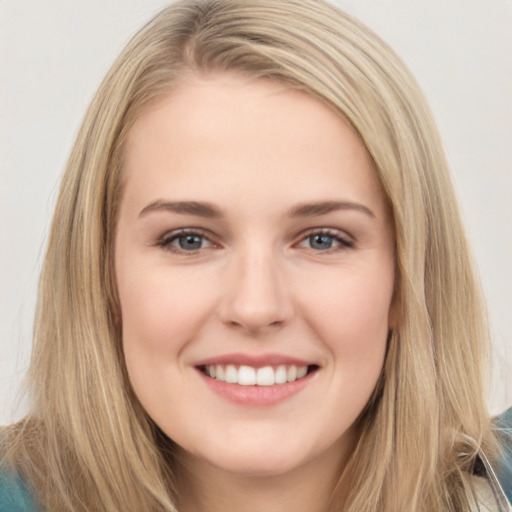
(344, 241)
(165, 242)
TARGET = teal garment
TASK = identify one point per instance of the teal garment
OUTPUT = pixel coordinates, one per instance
(14, 495)
(503, 467)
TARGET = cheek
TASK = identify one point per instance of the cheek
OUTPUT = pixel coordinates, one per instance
(350, 313)
(161, 310)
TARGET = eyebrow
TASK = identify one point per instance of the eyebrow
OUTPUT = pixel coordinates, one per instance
(208, 210)
(196, 208)
(324, 207)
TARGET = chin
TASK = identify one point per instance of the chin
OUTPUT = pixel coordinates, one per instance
(258, 460)
(258, 465)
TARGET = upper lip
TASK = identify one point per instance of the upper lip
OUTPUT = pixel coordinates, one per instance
(254, 360)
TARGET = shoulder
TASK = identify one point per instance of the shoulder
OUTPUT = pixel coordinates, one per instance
(486, 498)
(14, 494)
(492, 481)
(503, 465)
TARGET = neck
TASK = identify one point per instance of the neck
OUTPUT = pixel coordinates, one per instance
(317, 486)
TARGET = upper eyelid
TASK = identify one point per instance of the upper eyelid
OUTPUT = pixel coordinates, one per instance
(184, 231)
(207, 233)
(336, 233)
(343, 236)
(169, 236)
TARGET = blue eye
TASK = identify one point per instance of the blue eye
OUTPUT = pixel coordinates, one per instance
(325, 241)
(320, 241)
(189, 242)
(184, 241)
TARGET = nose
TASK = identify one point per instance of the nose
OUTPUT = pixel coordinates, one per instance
(257, 297)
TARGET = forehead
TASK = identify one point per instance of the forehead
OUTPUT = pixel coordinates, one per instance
(252, 137)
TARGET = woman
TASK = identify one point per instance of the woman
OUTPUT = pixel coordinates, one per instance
(257, 292)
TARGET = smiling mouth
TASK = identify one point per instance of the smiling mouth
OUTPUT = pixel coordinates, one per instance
(245, 375)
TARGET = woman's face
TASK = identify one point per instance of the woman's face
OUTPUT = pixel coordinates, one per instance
(254, 246)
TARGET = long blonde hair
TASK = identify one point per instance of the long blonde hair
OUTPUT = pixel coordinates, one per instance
(87, 444)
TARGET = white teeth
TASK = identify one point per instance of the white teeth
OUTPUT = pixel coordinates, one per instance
(265, 376)
(291, 373)
(280, 376)
(301, 371)
(246, 376)
(231, 374)
(249, 376)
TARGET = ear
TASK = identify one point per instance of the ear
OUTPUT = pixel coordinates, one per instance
(115, 315)
(394, 310)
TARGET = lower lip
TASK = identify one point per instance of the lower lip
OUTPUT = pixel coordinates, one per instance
(257, 395)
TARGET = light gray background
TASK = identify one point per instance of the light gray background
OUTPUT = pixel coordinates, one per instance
(53, 55)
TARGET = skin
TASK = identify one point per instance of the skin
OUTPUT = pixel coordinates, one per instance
(258, 283)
